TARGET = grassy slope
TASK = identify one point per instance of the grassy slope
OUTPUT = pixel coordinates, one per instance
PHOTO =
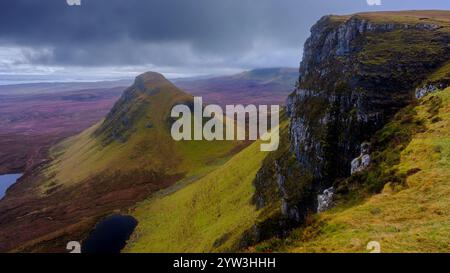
(197, 215)
(82, 156)
(400, 46)
(216, 208)
(410, 217)
(442, 73)
(147, 149)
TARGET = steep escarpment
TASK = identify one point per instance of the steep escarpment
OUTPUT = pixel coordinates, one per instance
(354, 76)
(356, 73)
(411, 163)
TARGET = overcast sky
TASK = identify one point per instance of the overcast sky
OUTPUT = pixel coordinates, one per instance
(48, 40)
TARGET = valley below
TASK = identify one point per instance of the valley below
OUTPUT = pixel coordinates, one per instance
(32, 121)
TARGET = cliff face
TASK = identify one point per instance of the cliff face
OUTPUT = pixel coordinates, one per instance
(356, 73)
(352, 79)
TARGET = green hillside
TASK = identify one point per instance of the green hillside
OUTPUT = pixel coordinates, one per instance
(135, 137)
(209, 215)
(195, 217)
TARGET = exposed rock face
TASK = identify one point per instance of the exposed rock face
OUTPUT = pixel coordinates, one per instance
(429, 88)
(343, 97)
(284, 183)
(325, 200)
(354, 76)
(363, 160)
(423, 91)
(290, 212)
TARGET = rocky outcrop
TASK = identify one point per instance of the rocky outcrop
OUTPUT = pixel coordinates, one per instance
(424, 90)
(429, 88)
(325, 200)
(283, 184)
(362, 162)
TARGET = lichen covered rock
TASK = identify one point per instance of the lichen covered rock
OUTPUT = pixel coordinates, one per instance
(325, 200)
(362, 162)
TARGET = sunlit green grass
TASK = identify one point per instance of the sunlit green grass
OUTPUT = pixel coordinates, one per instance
(195, 217)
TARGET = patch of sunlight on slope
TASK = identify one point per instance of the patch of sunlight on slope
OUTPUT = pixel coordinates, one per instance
(413, 219)
(214, 208)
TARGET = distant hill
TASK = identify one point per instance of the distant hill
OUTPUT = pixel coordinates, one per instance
(58, 87)
(258, 86)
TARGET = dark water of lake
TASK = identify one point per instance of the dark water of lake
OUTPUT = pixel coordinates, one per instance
(110, 235)
(6, 181)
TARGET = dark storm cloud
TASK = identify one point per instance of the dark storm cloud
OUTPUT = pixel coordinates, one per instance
(172, 33)
(109, 32)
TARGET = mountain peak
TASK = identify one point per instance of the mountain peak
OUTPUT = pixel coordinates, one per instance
(148, 101)
(150, 76)
(151, 79)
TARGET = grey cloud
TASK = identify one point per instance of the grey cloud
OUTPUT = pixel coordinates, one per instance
(171, 33)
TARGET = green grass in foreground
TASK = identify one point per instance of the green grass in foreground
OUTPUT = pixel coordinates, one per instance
(192, 219)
